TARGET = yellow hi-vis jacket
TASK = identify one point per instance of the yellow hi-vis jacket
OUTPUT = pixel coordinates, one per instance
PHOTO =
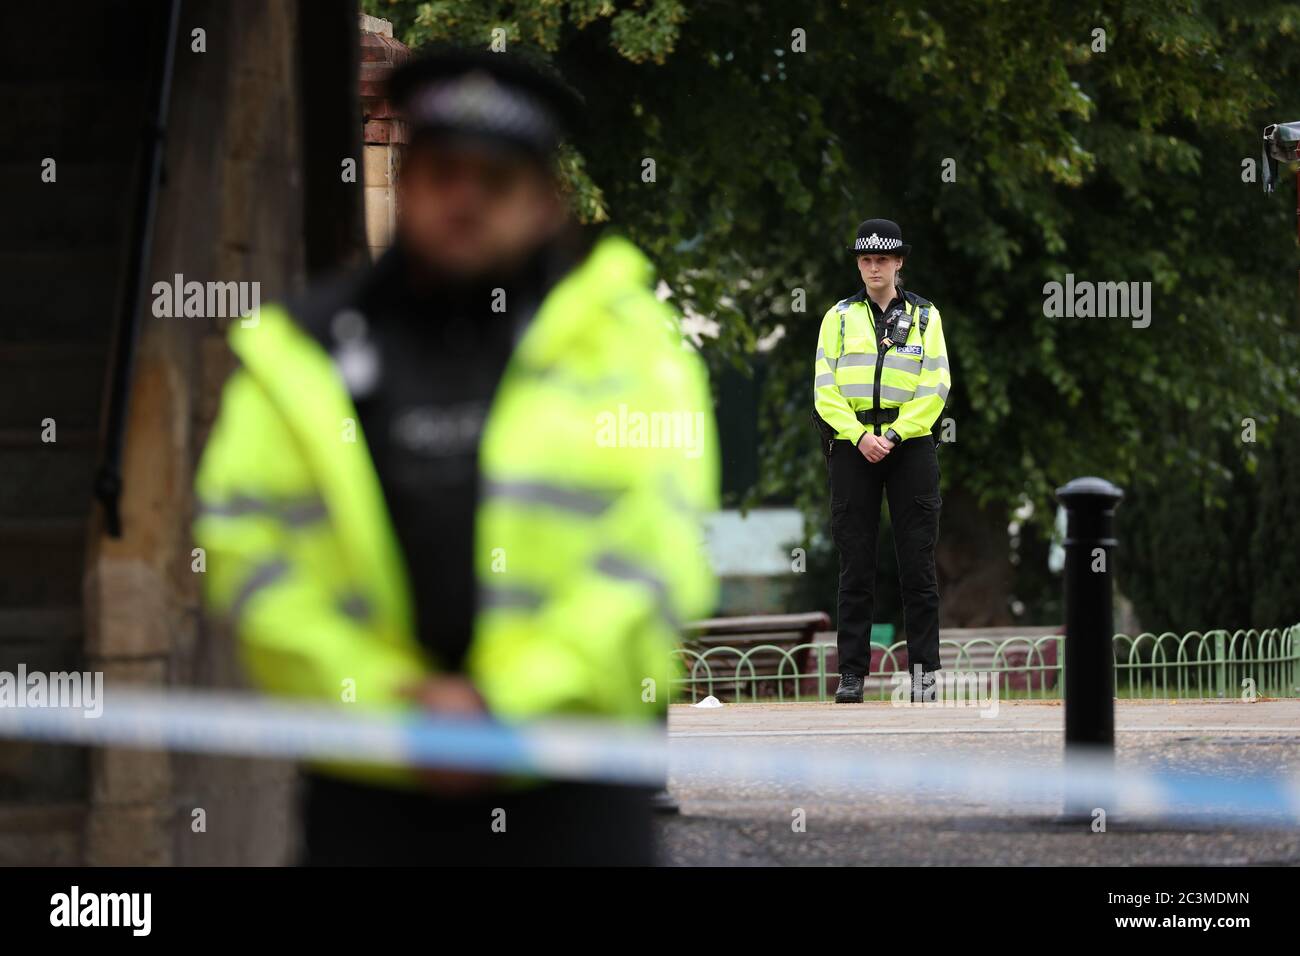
(588, 549)
(850, 374)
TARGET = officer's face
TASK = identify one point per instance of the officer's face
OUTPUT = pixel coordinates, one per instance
(878, 272)
(464, 212)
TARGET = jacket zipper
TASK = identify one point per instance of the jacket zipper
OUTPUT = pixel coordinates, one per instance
(880, 368)
(875, 392)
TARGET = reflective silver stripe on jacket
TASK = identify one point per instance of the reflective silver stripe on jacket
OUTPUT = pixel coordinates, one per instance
(824, 379)
(933, 362)
(941, 390)
(902, 363)
(616, 566)
(851, 359)
(895, 394)
(501, 597)
(580, 500)
(295, 512)
(886, 391)
(263, 576)
(355, 606)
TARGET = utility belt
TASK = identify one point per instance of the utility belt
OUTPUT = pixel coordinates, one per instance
(866, 416)
(883, 416)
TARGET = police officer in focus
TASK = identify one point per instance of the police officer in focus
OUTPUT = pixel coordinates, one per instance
(881, 379)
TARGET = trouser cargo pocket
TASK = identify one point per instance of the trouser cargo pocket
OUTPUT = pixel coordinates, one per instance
(927, 509)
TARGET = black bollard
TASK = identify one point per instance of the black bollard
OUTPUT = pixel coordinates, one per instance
(1089, 632)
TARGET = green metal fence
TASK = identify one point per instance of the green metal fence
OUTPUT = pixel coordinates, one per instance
(1215, 663)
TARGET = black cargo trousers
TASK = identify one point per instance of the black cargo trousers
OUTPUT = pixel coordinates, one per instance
(909, 475)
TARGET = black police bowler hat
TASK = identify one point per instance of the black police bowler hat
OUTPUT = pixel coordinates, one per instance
(503, 98)
(880, 237)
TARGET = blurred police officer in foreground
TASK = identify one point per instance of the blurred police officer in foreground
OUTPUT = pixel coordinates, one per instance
(406, 500)
(881, 381)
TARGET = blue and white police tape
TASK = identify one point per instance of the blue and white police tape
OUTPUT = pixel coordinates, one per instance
(240, 724)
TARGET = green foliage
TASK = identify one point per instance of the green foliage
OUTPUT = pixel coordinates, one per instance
(1122, 165)
(1183, 558)
(1275, 545)
(1193, 560)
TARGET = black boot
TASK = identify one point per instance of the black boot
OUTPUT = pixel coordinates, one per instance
(923, 687)
(664, 802)
(850, 689)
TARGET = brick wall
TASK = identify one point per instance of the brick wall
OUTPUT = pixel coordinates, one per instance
(230, 209)
(384, 133)
(240, 181)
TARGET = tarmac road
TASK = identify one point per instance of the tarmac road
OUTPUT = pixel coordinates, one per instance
(750, 822)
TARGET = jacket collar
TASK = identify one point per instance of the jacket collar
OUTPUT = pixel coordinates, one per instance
(898, 299)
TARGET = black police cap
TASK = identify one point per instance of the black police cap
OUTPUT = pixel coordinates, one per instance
(880, 237)
(502, 97)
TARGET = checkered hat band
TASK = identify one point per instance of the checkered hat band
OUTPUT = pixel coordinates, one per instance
(874, 241)
(477, 102)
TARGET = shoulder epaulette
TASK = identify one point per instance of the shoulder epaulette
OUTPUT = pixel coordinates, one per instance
(924, 305)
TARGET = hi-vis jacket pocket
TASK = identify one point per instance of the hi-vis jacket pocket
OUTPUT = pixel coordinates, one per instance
(859, 343)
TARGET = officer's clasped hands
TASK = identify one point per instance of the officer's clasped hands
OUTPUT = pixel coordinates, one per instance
(874, 447)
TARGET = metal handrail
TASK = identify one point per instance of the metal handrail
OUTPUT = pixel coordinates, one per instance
(108, 477)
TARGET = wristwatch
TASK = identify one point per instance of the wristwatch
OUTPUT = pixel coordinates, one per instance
(893, 436)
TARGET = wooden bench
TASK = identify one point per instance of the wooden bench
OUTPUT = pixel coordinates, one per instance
(751, 635)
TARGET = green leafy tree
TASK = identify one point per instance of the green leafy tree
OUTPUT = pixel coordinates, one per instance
(1016, 143)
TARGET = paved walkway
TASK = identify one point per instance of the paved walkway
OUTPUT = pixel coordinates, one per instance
(724, 821)
(1271, 716)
